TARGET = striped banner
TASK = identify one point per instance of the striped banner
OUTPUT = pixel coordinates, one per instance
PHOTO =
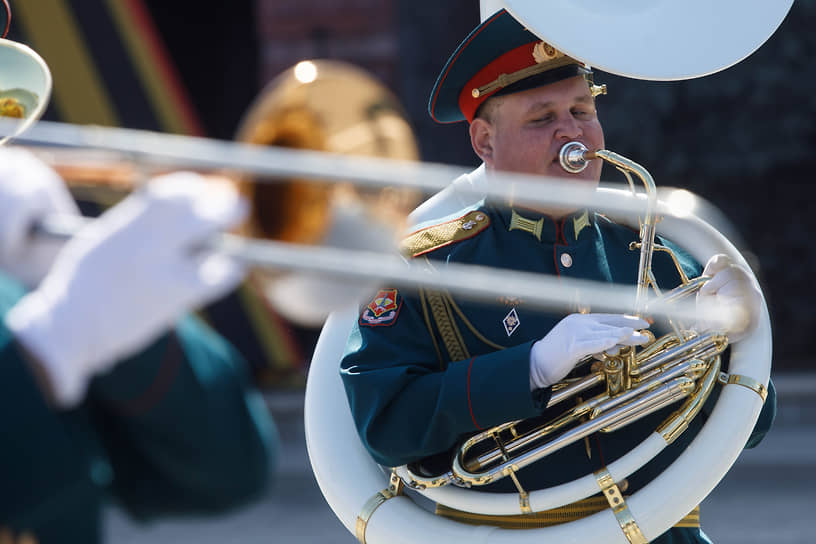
(109, 64)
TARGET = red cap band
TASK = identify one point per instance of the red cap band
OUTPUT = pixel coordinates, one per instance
(512, 61)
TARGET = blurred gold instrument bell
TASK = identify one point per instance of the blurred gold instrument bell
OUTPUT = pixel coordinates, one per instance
(335, 107)
(332, 106)
(25, 88)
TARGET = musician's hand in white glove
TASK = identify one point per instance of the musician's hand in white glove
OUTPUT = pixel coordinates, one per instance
(731, 286)
(577, 336)
(126, 278)
(29, 191)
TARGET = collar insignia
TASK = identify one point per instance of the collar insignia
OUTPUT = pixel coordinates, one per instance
(518, 222)
(579, 223)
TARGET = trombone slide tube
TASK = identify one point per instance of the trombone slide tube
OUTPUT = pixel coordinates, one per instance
(475, 282)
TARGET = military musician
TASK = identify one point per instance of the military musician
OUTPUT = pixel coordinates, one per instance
(422, 370)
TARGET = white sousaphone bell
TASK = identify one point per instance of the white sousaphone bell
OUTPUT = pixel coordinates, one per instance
(659, 40)
(654, 40)
(25, 88)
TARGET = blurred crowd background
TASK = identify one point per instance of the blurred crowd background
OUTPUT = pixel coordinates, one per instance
(742, 139)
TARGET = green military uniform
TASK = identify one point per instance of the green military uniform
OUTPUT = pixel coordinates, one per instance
(417, 382)
(173, 429)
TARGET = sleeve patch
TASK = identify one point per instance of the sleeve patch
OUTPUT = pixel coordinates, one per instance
(383, 310)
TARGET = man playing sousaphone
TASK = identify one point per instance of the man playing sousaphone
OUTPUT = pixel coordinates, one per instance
(422, 370)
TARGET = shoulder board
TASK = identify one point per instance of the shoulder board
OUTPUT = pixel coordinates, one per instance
(436, 236)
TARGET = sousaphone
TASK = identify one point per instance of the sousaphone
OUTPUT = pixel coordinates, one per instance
(646, 40)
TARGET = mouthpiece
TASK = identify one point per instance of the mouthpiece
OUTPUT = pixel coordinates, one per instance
(574, 157)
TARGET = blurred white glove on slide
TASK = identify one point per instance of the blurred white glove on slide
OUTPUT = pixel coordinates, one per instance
(577, 336)
(29, 191)
(732, 286)
(126, 277)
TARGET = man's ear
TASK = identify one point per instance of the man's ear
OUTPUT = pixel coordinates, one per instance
(481, 139)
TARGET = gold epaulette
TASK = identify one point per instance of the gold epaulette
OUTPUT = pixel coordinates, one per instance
(443, 234)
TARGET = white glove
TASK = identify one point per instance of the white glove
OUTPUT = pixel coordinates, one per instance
(126, 277)
(29, 191)
(577, 336)
(732, 286)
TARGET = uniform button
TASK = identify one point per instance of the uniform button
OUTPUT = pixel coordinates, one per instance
(623, 485)
(480, 217)
(566, 259)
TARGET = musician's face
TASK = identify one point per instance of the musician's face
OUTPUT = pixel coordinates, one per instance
(524, 131)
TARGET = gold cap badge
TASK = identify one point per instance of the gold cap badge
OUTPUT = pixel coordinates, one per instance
(543, 52)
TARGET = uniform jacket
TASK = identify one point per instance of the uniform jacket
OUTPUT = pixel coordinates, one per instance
(173, 429)
(411, 397)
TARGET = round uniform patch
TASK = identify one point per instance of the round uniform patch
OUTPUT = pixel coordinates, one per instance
(383, 310)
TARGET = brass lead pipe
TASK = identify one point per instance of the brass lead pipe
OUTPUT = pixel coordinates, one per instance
(647, 232)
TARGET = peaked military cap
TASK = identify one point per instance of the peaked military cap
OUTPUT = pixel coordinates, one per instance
(499, 57)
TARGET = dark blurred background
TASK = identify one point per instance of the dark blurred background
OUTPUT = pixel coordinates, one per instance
(743, 138)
